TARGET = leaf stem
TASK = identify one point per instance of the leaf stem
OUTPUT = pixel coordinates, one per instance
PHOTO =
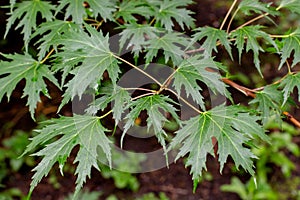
(228, 13)
(252, 20)
(251, 93)
(142, 89)
(138, 69)
(231, 20)
(142, 95)
(47, 56)
(185, 101)
(255, 19)
(99, 24)
(167, 82)
(289, 67)
(152, 21)
(105, 115)
(280, 36)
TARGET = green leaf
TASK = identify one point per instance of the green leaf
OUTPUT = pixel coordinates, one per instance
(91, 55)
(167, 10)
(172, 44)
(212, 36)
(26, 12)
(236, 186)
(222, 123)
(76, 10)
(115, 94)
(291, 43)
(289, 83)
(292, 5)
(269, 101)
(249, 35)
(135, 35)
(86, 131)
(154, 105)
(129, 8)
(248, 6)
(52, 31)
(194, 69)
(25, 67)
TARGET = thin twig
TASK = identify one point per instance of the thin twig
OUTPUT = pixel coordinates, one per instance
(244, 90)
(231, 20)
(228, 13)
(47, 56)
(142, 89)
(106, 114)
(249, 92)
(143, 95)
(289, 67)
(185, 101)
(152, 21)
(252, 20)
(138, 69)
(292, 119)
(167, 82)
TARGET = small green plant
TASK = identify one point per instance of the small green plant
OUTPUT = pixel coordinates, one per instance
(267, 185)
(68, 44)
(10, 162)
(123, 164)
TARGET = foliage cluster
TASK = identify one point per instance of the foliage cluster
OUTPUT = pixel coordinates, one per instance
(71, 49)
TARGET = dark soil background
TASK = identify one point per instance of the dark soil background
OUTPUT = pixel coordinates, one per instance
(174, 181)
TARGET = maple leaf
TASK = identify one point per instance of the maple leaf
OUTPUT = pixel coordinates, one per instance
(136, 36)
(91, 55)
(289, 83)
(26, 12)
(292, 5)
(212, 36)
(222, 123)
(291, 43)
(194, 69)
(76, 10)
(249, 35)
(172, 44)
(129, 8)
(86, 131)
(154, 105)
(166, 10)
(269, 101)
(52, 31)
(25, 67)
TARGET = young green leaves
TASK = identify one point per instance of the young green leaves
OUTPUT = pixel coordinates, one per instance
(269, 102)
(26, 12)
(291, 43)
(232, 126)
(25, 67)
(85, 131)
(212, 37)
(90, 58)
(249, 36)
(288, 84)
(194, 69)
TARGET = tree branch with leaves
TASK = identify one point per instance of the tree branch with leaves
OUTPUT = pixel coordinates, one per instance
(73, 53)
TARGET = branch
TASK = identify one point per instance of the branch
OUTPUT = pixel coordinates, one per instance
(251, 93)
